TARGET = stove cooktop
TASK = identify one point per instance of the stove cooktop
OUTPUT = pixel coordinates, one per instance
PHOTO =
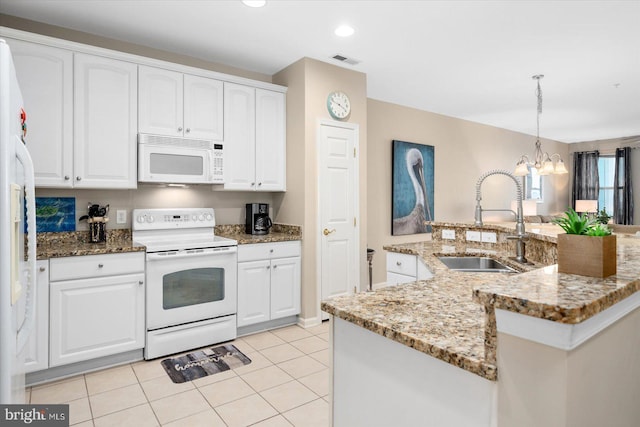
(176, 229)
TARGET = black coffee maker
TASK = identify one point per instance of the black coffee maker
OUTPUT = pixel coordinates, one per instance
(257, 220)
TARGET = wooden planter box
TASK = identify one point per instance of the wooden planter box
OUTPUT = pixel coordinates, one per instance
(587, 255)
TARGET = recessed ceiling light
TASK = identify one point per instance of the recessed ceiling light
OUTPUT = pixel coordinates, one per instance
(344, 31)
(254, 3)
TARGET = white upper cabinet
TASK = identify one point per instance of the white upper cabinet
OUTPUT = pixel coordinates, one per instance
(176, 104)
(271, 153)
(240, 137)
(45, 75)
(105, 122)
(255, 140)
(203, 108)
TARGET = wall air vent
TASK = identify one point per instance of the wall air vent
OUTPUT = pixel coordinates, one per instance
(346, 60)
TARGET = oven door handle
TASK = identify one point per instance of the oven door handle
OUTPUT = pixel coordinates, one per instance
(191, 253)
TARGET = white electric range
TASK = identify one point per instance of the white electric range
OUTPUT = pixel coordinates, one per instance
(191, 277)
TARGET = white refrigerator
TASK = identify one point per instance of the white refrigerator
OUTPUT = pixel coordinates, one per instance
(17, 269)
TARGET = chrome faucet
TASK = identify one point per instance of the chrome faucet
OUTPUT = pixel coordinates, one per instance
(520, 235)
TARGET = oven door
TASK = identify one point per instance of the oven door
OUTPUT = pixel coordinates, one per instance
(190, 285)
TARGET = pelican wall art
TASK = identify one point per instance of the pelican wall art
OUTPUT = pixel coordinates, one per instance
(412, 188)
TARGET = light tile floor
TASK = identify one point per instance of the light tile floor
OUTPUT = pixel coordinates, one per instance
(286, 384)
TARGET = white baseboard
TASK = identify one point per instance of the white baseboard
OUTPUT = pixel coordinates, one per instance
(309, 321)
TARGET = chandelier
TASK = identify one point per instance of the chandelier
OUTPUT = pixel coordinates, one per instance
(542, 161)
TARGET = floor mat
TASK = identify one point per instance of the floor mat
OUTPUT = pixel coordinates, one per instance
(204, 362)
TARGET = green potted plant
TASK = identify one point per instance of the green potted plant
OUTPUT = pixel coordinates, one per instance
(603, 217)
(587, 248)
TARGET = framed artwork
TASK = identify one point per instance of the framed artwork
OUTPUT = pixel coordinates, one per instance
(55, 214)
(412, 188)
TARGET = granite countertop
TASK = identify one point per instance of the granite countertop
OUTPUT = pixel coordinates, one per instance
(451, 316)
(278, 233)
(76, 243)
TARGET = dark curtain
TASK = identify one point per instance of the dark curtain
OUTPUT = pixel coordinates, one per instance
(586, 183)
(623, 191)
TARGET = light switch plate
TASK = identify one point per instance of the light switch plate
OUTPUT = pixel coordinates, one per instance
(488, 237)
(449, 234)
(121, 216)
(473, 236)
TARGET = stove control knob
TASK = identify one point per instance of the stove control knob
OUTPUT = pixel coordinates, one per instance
(201, 217)
(140, 218)
(194, 217)
(150, 218)
(209, 217)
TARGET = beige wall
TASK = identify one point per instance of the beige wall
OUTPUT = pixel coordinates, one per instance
(463, 151)
(594, 385)
(309, 82)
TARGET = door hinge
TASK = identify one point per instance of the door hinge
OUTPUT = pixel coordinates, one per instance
(354, 221)
(354, 152)
(355, 289)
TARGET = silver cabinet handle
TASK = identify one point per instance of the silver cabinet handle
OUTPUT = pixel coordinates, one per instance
(100, 265)
(140, 282)
(259, 184)
(180, 129)
(268, 267)
(398, 263)
(188, 130)
(271, 250)
(275, 266)
(66, 177)
(78, 178)
(42, 269)
(253, 183)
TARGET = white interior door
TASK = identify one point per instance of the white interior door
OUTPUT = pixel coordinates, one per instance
(338, 209)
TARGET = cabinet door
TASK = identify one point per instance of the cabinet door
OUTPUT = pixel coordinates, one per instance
(239, 137)
(45, 75)
(96, 317)
(253, 292)
(37, 349)
(161, 101)
(270, 141)
(203, 108)
(105, 122)
(285, 287)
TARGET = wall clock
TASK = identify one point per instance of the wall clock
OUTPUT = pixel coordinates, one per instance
(338, 105)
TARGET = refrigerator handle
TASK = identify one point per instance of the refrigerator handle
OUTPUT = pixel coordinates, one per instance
(22, 154)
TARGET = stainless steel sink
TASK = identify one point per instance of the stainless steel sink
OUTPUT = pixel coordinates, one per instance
(475, 264)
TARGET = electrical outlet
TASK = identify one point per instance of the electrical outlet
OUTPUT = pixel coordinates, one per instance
(488, 237)
(449, 234)
(473, 236)
(121, 216)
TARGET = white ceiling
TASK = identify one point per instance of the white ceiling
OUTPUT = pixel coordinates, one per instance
(468, 59)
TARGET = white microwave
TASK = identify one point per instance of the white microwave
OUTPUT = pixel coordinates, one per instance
(165, 159)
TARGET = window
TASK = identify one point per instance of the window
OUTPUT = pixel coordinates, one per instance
(606, 172)
(532, 185)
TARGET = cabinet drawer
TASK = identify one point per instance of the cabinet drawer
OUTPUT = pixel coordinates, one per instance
(402, 264)
(79, 267)
(259, 251)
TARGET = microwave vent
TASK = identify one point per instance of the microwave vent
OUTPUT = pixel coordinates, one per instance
(168, 141)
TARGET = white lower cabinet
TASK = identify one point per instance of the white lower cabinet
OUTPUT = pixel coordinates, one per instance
(96, 306)
(268, 281)
(37, 349)
(404, 268)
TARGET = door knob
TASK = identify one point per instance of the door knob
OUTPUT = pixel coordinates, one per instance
(326, 231)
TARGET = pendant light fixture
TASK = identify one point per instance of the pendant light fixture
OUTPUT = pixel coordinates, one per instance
(541, 161)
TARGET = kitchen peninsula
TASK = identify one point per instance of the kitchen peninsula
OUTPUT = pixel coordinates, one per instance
(490, 349)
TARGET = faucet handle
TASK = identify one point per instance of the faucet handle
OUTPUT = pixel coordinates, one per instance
(516, 237)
